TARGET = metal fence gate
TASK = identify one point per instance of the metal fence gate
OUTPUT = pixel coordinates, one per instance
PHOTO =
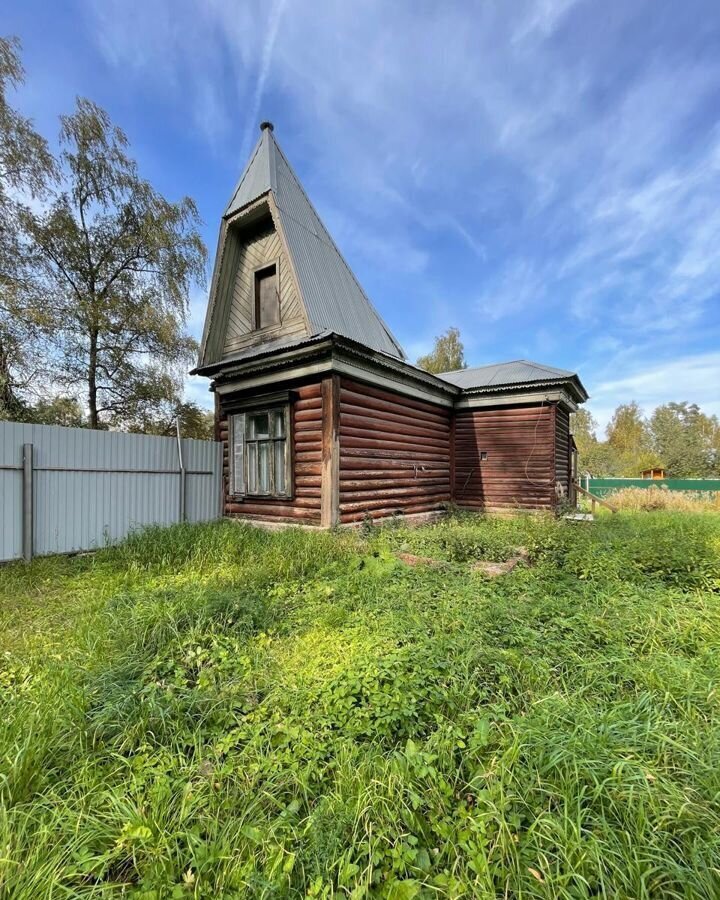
(69, 489)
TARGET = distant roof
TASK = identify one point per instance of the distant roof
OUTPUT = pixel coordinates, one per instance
(332, 295)
(510, 374)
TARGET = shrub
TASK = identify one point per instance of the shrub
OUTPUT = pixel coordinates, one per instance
(637, 499)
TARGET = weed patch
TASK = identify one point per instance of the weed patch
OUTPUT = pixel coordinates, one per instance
(218, 711)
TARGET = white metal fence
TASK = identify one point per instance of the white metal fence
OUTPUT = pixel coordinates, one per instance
(69, 489)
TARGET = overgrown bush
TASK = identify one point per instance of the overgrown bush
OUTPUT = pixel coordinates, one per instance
(637, 499)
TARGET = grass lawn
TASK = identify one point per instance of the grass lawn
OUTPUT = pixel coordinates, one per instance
(215, 711)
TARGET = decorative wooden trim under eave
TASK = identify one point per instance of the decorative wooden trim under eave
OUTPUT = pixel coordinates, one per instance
(210, 311)
(330, 477)
(369, 374)
(473, 401)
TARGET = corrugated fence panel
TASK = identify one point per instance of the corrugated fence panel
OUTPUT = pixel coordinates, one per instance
(203, 499)
(91, 488)
(11, 442)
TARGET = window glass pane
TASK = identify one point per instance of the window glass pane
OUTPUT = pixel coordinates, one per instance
(264, 463)
(259, 426)
(280, 467)
(267, 298)
(252, 478)
(279, 423)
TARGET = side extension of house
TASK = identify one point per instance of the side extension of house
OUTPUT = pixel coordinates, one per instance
(323, 420)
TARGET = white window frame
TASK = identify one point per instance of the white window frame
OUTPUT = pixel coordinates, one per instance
(239, 474)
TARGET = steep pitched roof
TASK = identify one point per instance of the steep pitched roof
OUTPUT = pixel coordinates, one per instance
(509, 374)
(333, 298)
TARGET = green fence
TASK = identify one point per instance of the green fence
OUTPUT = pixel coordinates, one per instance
(601, 487)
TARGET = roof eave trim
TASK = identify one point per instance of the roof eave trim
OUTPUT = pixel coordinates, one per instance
(574, 383)
(327, 340)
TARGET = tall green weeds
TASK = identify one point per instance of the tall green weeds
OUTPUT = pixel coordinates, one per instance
(215, 711)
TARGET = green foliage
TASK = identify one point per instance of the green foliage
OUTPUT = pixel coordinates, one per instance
(112, 263)
(194, 422)
(56, 411)
(214, 710)
(687, 440)
(447, 355)
(94, 276)
(628, 438)
(678, 437)
(26, 166)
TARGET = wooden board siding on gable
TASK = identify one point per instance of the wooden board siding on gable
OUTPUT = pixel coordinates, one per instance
(394, 453)
(260, 250)
(519, 471)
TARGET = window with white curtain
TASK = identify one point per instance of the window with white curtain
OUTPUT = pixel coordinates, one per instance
(260, 459)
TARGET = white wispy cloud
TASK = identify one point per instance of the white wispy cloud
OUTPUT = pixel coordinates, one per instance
(529, 169)
(695, 378)
(268, 45)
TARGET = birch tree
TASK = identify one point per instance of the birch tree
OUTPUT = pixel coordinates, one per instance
(26, 166)
(116, 262)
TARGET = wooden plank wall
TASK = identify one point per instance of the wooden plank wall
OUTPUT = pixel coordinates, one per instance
(306, 429)
(520, 468)
(394, 453)
(254, 252)
(562, 449)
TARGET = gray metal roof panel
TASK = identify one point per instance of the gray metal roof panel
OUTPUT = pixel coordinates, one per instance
(519, 371)
(257, 178)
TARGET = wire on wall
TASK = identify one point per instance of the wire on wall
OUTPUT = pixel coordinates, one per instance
(532, 451)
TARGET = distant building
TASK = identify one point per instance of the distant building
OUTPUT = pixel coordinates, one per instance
(654, 473)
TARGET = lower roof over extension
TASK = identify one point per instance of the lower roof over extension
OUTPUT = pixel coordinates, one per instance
(520, 381)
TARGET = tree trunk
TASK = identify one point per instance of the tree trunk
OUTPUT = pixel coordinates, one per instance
(9, 403)
(92, 379)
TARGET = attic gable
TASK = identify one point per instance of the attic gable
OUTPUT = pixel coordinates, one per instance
(261, 251)
(328, 297)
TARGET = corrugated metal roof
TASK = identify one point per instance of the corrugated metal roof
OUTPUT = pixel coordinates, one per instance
(519, 371)
(333, 297)
(257, 178)
(263, 349)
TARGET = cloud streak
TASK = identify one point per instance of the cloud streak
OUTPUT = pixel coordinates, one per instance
(268, 45)
(543, 173)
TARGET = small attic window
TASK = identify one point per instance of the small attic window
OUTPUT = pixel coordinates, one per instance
(267, 297)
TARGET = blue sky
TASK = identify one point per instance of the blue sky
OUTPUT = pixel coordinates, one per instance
(544, 175)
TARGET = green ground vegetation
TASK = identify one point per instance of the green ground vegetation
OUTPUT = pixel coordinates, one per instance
(219, 712)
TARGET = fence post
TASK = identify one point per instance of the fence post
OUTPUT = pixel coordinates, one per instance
(182, 471)
(27, 502)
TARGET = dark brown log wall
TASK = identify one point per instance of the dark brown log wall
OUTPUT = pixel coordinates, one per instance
(306, 431)
(520, 468)
(562, 449)
(394, 453)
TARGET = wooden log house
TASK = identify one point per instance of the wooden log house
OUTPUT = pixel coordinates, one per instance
(323, 419)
